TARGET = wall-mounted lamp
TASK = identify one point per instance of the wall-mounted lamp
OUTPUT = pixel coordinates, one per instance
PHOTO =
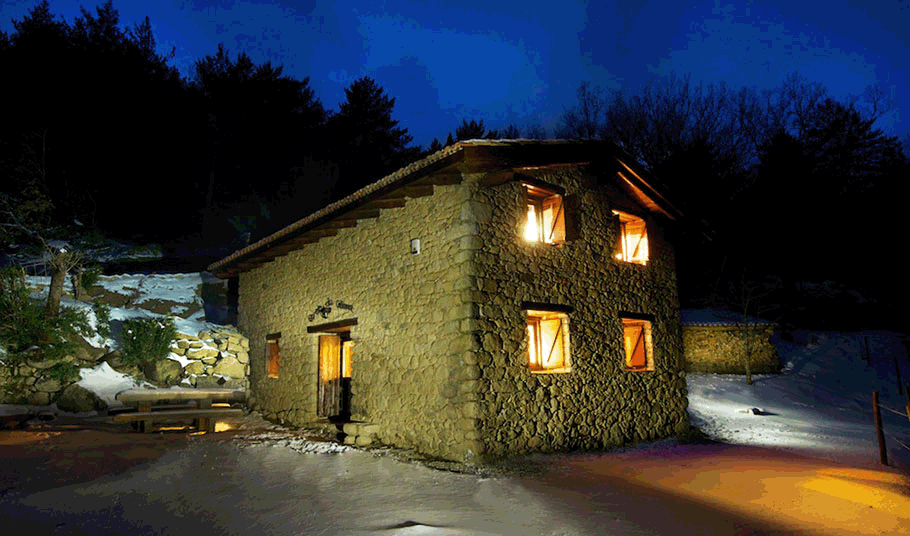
(415, 246)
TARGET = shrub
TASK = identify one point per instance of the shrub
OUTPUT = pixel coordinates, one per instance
(64, 372)
(28, 334)
(90, 275)
(22, 322)
(102, 318)
(147, 339)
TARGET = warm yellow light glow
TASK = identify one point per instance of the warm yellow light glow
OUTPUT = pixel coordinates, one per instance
(223, 427)
(546, 221)
(548, 341)
(637, 344)
(347, 352)
(633, 243)
(272, 357)
(532, 231)
(329, 357)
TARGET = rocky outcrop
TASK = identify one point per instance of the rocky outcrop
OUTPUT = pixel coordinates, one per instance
(165, 371)
(77, 399)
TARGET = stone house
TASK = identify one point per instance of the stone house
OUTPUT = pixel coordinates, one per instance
(492, 299)
(715, 341)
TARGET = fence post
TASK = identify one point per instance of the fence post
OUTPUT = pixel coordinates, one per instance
(882, 451)
(897, 372)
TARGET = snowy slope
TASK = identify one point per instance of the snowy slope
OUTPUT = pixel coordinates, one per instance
(821, 405)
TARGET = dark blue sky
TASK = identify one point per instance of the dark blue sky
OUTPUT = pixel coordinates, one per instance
(521, 62)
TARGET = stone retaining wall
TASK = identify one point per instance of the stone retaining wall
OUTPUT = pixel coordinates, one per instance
(212, 359)
(720, 349)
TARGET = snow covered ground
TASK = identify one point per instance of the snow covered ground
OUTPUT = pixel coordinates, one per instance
(821, 404)
(797, 456)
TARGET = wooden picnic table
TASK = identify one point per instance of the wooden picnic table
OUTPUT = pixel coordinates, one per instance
(162, 400)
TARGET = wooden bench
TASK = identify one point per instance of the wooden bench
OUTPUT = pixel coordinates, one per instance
(154, 405)
(203, 419)
(146, 398)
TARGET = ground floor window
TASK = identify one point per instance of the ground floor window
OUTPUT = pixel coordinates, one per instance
(548, 341)
(638, 346)
(272, 354)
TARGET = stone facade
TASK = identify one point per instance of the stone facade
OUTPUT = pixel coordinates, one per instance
(598, 404)
(440, 341)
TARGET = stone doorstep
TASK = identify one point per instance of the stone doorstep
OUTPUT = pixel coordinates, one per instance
(362, 434)
(360, 428)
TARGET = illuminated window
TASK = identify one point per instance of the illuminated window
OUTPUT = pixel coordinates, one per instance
(272, 351)
(633, 243)
(548, 341)
(637, 342)
(546, 219)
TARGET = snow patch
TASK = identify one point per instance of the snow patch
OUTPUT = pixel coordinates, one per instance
(106, 382)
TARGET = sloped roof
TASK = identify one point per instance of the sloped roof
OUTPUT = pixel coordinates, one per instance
(417, 180)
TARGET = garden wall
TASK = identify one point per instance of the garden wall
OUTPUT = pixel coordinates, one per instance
(720, 349)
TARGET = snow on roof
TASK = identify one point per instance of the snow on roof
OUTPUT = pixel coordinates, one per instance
(715, 317)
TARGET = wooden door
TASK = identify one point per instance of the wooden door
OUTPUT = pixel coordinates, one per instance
(328, 402)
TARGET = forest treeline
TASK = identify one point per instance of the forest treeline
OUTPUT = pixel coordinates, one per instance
(100, 128)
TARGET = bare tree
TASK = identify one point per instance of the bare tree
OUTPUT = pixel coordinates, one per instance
(20, 218)
(745, 301)
(586, 118)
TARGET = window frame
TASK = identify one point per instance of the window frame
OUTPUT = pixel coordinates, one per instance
(272, 361)
(537, 196)
(623, 254)
(535, 316)
(645, 323)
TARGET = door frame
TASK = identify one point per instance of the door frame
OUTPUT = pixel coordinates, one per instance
(333, 396)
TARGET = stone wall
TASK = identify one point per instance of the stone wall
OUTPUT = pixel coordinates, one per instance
(212, 359)
(409, 343)
(598, 404)
(720, 349)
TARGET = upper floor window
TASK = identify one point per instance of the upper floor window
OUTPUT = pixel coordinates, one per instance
(548, 341)
(546, 218)
(633, 238)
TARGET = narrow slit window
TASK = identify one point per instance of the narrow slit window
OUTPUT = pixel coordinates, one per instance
(633, 238)
(548, 341)
(638, 345)
(272, 355)
(546, 219)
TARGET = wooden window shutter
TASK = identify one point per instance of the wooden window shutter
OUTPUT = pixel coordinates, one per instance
(617, 237)
(272, 357)
(572, 208)
(636, 353)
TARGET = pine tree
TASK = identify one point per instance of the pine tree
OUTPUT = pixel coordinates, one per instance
(368, 142)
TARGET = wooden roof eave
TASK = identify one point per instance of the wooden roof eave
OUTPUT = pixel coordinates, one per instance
(644, 193)
(417, 184)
